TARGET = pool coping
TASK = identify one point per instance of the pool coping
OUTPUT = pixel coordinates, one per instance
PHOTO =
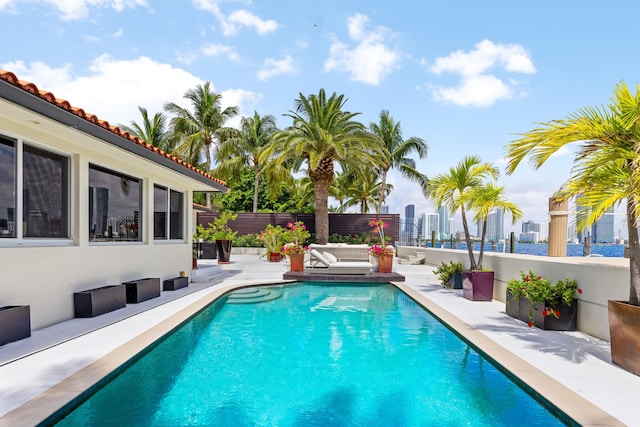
(45, 406)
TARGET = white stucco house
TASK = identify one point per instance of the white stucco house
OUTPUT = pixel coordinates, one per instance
(84, 204)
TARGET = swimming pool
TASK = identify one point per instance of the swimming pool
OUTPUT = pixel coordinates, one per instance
(312, 354)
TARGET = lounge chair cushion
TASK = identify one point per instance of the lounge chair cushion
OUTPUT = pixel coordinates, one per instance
(320, 258)
(330, 257)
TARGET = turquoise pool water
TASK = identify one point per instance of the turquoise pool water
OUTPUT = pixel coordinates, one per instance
(312, 355)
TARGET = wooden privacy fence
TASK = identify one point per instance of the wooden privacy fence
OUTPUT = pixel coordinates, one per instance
(341, 224)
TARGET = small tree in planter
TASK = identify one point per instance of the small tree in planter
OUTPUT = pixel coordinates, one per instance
(465, 188)
(271, 238)
(606, 173)
(221, 233)
(450, 274)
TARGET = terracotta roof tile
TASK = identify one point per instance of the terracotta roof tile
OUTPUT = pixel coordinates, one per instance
(11, 78)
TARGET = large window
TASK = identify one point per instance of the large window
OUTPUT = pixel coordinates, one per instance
(172, 202)
(115, 206)
(44, 194)
(176, 206)
(44, 186)
(7, 187)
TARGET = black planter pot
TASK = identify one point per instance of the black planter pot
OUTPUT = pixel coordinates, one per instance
(224, 251)
(15, 323)
(94, 302)
(477, 285)
(208, 250)
(142, 289)
(455, 281)
(512, 306)
(175, 283)
(519, 308)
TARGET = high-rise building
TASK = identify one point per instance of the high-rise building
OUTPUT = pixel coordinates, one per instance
(602, 230)
(431, 224)
(495, 226)
(384, 209)
(444, 223)
(533, 227)
(409, 218)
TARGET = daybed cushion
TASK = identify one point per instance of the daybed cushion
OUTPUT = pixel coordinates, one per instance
(319, 257)
(330, 257)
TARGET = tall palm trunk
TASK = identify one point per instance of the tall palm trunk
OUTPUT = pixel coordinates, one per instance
(256, 183)
(634, 253)
(207, 145)
(467, 238)
(321, 192)
(383, 191)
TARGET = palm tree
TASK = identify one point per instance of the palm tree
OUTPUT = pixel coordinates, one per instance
(606, 164)
(484, 200)
(153, 131)
(198, 129)
(321, 135)
(395, 154)
(243, 148)
(364, 192)
(451, 189)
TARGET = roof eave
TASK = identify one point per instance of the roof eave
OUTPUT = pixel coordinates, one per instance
(41, 106)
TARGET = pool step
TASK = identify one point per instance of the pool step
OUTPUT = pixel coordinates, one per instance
(418, 258)
(206, 274)
(253, 295)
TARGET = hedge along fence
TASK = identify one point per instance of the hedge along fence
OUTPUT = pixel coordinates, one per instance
(341, 224)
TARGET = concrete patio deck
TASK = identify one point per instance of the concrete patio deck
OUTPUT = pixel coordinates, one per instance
(572, 369)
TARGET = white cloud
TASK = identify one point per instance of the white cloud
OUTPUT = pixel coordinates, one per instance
(477, 87)
(246, 101)
(72, 10)
(273, 67)
(114, 89)
(475, 91)
(220, 49)
(117, 34)
(236, 20)
(370, 59)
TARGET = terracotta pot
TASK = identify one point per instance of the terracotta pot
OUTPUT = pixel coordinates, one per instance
(194, 263)
(385, 263)
(275, 256)
(477, 285)
(297, 262)
(624, 330)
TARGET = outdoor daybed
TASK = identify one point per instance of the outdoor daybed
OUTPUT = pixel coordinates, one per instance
(327, 263)
(343, 252)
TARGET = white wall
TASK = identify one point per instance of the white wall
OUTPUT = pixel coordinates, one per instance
(45, 273)
(601, 279)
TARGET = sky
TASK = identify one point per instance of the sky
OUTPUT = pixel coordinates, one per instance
(467, 76)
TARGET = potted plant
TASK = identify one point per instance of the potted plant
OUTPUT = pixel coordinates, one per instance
(219, 232)
(450, 274)
(464, 187)
(295, 237)
(605, 174)
(271, 238)
(533, 299)
(382, 252)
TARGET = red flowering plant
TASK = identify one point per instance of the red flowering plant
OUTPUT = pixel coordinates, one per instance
(538, 289)
(295, 236)
(379, 249)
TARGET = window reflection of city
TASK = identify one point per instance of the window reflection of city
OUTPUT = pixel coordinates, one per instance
(114, 207)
